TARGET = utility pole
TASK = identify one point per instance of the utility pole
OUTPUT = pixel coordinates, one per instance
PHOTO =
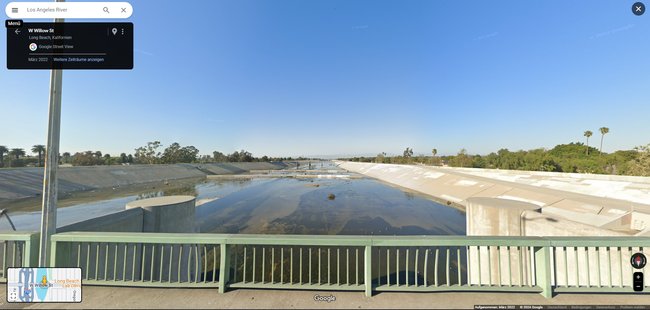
(50, 181)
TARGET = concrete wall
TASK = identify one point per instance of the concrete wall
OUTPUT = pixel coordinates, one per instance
(123, 221)
(496, 217)
(499, 217)
(171, 214)
(536, 224)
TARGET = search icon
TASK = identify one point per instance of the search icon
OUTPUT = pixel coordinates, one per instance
(106, 10)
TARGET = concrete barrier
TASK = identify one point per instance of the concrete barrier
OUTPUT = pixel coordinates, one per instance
(502, 217)
(124, 221)
(497, 217)
(170, 214)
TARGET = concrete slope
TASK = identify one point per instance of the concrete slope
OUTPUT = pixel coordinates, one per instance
(455, 186)
(20, 183)
(629, 188)
(235, 168)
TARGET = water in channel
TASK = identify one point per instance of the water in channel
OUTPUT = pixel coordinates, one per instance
(314, 206)
(285, 206)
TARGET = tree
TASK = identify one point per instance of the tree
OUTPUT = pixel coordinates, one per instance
(434, 159)
(108, 160)
(588, 134)
(123, 158)
(380, 158)
(603, 132)
(16, 153)
(188, 154)
(98, 154)
(561, 158)
(219, 157)
(462, 159)
(205, 159)
(148, 154)
(245, 156)
(478, 161)
(177, 154)
(171, 154)
(641, 164)
(40, 149)
(86, 158)
(234, 157)
(408, 152)
(241, 156)
(66, 157)
(3, 151)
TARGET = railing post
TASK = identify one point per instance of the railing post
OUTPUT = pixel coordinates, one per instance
(543, 270)
(224, 268)
(30, 255)
(367, 270)
(52, 254)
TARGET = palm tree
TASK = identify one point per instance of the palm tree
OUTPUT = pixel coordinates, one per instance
(40, 149)
(588, 134)
(603, 132)
(16, 153)
(3, 151)
(434, 152)
(66, 157)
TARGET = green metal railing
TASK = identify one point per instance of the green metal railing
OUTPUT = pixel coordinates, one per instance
(595, 264)
(17, 249)
(356, 263)
(140, 259)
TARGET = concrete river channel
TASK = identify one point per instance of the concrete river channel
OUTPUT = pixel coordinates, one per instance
(282, 205)
(323, 204)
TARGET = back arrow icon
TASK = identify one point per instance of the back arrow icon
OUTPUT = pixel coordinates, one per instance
(17, 31)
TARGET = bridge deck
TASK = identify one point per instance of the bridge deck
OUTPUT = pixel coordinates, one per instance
(123, 297)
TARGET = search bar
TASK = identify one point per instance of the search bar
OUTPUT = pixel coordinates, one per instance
(25, 10)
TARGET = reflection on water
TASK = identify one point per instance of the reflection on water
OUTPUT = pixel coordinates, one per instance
(295, 206)
(286, 206)
(30, 221)
(181, 190)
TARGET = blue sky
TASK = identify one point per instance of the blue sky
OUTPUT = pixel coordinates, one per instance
(289, 78)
